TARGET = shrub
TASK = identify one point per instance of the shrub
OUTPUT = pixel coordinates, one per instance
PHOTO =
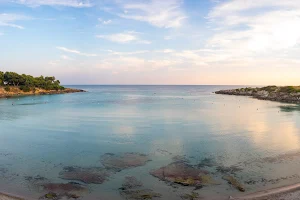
(25, 88)
(7, 89)
(271, 88)
(289, 89)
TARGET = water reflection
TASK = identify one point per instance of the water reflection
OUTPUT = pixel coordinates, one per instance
(289, 108)
(215, 132)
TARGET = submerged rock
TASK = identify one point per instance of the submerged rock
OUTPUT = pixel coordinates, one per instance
(64, 188)
(35, 178)
(57, 191)
(132, 190)
(54, 196)
(192, 196)
(207, 162)
(96, 175)
(235, 183)
(229, 170)
(131, 182)
(139, 194)
(180, 159)
(180, 173)
(51, 195)
(123, 161)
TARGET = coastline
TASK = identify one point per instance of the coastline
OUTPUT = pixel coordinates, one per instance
(290, 192)
(5, 196)
(288, 94)
(16, 92)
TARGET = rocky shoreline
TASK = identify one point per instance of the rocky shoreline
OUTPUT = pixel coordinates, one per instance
(287, 94)
(16, 92)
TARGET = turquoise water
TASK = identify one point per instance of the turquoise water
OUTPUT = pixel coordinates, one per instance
(39, 135)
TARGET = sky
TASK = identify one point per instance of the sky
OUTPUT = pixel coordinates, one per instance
(190, 42)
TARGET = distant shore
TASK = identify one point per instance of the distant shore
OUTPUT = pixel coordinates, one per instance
(16, 92)
(286, 94)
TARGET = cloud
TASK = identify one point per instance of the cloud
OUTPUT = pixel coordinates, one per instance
(68, 3)
(165, 51)
(9, 19)
(104, 22)
(125, 37)
(75, 52)
(64, 57)
(163, 14)
(255, 26)
(134, 64)
(127, 53)
(237, 6)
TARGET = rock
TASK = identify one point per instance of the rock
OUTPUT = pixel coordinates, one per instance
(51, 195)
(193, 196)
(54, 196)
(231, 180)
(287, 94)
(139, 194)
(58, 191)
(131, 182)
(124, 161)
(180, 173)
(132, 190)
(96, 175)
(228, 170)
(180, 159)
(63, 187)
(207, 162)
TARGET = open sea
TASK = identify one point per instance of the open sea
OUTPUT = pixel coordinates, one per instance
(256, 142)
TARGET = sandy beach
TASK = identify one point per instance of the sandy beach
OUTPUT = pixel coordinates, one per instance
(291, 192)
(4, 196)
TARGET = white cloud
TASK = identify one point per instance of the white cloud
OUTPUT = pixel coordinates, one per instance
(125, 37)
(238, 6)
(127, 53)
(75, 52)
(165, 51)
(163, 14)
(105, 22)
(8, 19)
(256, 26)
(134, 64)
(69, 3)
(64, 57)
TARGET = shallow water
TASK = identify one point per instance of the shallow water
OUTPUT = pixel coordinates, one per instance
(40, 135)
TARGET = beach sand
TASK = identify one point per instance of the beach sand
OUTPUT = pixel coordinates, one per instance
(4, 196)
(291, 192)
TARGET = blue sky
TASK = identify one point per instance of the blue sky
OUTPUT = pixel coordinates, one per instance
(153, 41)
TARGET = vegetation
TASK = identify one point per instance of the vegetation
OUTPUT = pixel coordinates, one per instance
(271, 88)
(7, 88)
(27, 83)
(290, 89)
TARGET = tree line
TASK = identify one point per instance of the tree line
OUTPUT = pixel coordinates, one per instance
(28, 82)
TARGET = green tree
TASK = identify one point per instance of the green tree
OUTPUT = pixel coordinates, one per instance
(1, 78)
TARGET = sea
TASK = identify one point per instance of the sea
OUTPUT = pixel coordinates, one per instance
(254, 141)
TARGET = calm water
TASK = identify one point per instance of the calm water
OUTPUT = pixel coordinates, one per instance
(40, 135)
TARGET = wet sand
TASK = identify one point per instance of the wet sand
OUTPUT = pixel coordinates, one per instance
(291, 192)
(4, 196)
